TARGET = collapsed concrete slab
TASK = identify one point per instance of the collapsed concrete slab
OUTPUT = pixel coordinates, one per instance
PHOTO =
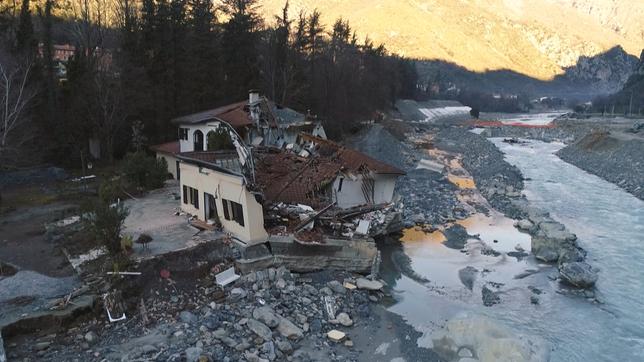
(335, 254)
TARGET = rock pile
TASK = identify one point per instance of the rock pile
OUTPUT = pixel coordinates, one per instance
(553, 243)
(267, 315)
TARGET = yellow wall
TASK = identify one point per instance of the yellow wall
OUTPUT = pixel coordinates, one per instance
(229, 187)
(171, 161)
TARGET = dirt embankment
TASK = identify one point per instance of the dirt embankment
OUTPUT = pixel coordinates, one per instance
(615, 157)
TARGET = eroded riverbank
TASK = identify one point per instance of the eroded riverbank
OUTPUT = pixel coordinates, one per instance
(432, 283)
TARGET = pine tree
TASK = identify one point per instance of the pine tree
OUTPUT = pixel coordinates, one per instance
(25, 39)
(239, 46)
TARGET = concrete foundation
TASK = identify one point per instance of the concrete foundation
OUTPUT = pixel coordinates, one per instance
(349, 255)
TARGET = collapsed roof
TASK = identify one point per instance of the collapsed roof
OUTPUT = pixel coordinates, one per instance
(285, 176)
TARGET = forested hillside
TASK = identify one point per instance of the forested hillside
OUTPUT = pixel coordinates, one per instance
(137, 64)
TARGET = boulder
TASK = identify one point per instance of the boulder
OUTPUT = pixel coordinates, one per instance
(525, 224)
(193, 354)
(91, 337)
(344, 319)
(571, 255)
(489, 297)
(187, 317)
(487, 340)
(468, 276)
(266, 316)
(578, 274)
(336, 286)
(260, 329)
(285, 346)
(555, 230)
(289, 330)
(367, 284)
(545, 249)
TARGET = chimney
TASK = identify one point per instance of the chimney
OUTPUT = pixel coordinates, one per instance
(253, 96)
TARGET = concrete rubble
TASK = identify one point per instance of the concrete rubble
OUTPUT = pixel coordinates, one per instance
(278, 316)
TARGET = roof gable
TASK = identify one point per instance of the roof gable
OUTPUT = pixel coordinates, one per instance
(235, 114)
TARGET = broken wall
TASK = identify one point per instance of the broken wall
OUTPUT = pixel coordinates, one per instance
(228, 187)
(349, 190)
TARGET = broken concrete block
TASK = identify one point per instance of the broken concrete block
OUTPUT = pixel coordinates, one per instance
(349, 286)
(336, 335)
(368, 284)
(289, 330)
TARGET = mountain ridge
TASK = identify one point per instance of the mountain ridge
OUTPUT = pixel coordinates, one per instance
(538, 38)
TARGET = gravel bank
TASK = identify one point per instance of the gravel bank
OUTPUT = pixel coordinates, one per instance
(497, 180)
(616, 159)
(428, 197)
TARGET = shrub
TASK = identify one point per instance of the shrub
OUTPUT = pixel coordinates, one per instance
(219, 140)
(105, 220)
(127, 244)
(474, 112)
(145, 171)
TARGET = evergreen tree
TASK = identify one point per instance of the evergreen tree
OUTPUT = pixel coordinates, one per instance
(25, 39)
(239, 47)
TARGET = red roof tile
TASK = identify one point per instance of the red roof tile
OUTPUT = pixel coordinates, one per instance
(169, 147)
(236, 114)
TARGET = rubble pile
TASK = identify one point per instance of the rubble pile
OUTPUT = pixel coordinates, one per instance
(365, 221)
(267, 315)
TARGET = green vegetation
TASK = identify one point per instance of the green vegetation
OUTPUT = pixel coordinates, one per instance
(145, 172)
(219, 140)
(104, 220)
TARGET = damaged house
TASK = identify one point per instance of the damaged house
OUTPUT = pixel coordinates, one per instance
(245, 166)
(256, 121)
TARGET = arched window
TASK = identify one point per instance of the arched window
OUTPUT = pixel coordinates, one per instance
(198, 140)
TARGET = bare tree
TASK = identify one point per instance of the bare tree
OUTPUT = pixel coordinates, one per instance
(15, 99)
(107, 115)
(89, 27)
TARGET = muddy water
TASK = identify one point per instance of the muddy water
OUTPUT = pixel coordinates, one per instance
(427, 288)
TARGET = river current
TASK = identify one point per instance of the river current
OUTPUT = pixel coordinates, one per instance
(609, 223)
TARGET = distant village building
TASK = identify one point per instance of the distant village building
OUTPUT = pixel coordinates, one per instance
(236, 163)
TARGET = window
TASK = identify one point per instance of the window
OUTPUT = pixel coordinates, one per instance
(195, 198)
(191, 196)
(233, 211)
(340, 184)
(183, 134)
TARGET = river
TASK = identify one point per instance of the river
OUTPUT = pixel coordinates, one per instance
(609, 223)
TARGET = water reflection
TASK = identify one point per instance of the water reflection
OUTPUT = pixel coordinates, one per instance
(609, 223)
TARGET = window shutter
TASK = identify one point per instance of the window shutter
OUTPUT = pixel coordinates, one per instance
(240, 213)
(185, 194)
(196, 193)
(226, 212)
